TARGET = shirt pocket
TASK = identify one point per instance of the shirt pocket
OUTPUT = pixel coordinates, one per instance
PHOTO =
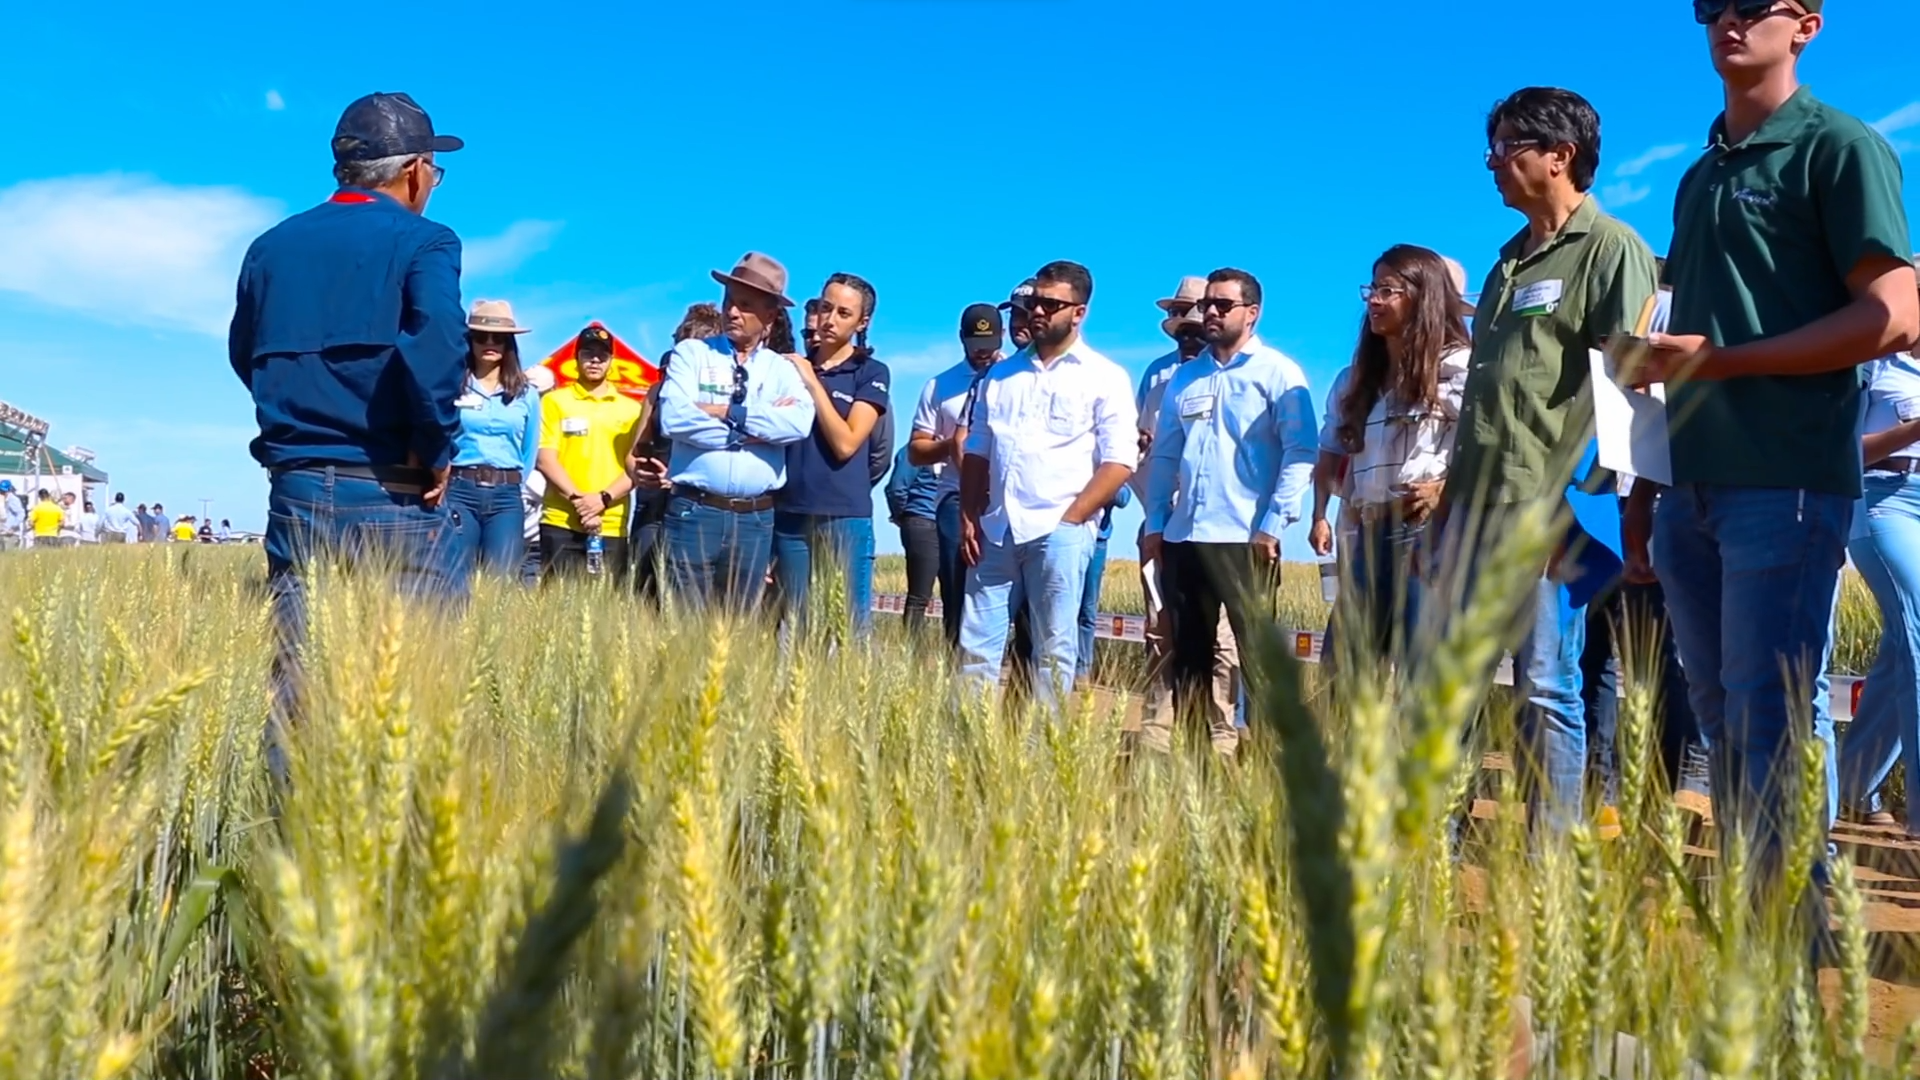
(1068, 415)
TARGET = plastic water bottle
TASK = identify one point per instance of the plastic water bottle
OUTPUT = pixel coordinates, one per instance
(596, 553)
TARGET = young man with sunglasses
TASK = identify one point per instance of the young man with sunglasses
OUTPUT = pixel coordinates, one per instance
(587, 430)
(1051, 440)
(1789, 269)
(1231, 458)
(731, 406)
(1568, 281)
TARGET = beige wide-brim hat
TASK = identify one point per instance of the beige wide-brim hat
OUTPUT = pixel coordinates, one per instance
(1191, 291)
(494, 317)
(1459, 275)
(762, 273)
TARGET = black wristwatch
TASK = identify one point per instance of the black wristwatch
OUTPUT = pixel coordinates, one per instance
(606, 501)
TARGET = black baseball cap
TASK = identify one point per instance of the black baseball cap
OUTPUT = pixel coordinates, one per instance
(1022, 297)
(594, 339)
(980, 327)
(387, 125)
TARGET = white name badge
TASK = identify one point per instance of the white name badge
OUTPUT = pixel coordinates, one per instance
(1196, 407)
(1539, 298)
(468, 401)
(573, 425)
(716, 379)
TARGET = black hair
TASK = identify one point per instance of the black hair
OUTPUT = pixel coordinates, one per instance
(868, 300)
(780, 331)
(1249, 285)
(1072, 275)
(119, 496)
(1554, 116)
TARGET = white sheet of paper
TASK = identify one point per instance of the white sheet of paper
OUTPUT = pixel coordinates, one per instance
(1631, 424)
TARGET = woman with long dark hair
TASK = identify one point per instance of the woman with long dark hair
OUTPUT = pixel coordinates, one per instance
(499, 436)
(1395, 423)
(826, 508)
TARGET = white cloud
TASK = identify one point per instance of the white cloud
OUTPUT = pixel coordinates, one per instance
(275, 102)
(1650, 158)
(1614, 196)
(129, 249)
(1899, 120)
(504, 253)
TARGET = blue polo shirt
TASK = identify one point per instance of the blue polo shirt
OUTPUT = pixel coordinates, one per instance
(816, 482)
(348, 330)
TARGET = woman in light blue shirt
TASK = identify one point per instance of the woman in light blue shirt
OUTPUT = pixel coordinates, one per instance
(1886, 550)
(498, 440)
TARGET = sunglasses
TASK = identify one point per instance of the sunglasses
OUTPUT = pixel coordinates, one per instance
(1707, 12)
(1048, 305)
(1500, 151)
(488, 337)
(739, 384)
(1220, 305)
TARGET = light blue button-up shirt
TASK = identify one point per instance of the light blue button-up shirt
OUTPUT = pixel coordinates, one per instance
(496, 431)
(1233, 448)
(744, 455)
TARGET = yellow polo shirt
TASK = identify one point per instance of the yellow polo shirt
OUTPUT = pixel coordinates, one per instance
(183, 531)
(591, 433)
(47, 517)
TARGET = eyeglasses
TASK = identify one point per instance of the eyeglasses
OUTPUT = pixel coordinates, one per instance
(1219, 305)
(1707, 12)
(1048, 305)
(1382, 292)
(1501, 151)
(739, 384)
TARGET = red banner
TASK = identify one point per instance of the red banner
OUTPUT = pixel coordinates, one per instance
(630, 374)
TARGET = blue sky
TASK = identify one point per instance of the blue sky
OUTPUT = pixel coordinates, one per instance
(944, 149)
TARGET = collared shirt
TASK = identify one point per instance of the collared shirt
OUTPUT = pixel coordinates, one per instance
(119, 519)
(1764, 236)
(1893, 398)
(496, 431)
(349, 332)
(47, 517)
(87, 525)
(913, 490)
(1526, 414)
(1234, 448)
(1407, 443)
(743, 456)
(943, 410)
(1043, 430)
(817, 481)
(13, 516)
(590, 432)
(1153, 389)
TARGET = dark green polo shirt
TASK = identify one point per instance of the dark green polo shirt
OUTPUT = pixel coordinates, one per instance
(1764, 235)
(1526, 415)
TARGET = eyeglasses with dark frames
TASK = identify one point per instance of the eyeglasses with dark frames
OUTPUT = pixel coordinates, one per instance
(1501, 151)
(1219, 305)
(1708, 12)
(1048, 305)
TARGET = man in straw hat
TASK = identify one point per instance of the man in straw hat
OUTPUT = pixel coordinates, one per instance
(730, 406)
(1182, 324)
(350, 335)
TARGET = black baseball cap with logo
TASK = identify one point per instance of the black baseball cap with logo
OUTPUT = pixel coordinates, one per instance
(980, 327)
(1022, 297)
(594, 339)
(387, 125)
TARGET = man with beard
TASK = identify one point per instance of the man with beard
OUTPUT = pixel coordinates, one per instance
(1184, 326)
(1232, 456)
(939, 435)
(1052, 437)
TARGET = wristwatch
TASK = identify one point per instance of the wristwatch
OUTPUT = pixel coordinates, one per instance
(606, 501)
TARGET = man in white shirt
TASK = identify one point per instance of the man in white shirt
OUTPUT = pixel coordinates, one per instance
(1233, 453)
(1053, 436)
(938, 441)
(119, 522)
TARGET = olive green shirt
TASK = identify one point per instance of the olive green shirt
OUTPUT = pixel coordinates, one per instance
(1764, 235)
(1527, 413)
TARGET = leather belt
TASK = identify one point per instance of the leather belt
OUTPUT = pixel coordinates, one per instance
(403, 479)
(1908, 466)
(753, 505)
(488, 476)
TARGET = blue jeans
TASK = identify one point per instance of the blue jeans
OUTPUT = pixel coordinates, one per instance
(316, 513)
(1090, 609)
(1546, 672)
(1886, 730)
(493, 524)
(1751, 577)
(1051, 572)
(716, 556)
(953, 570)
(799, 538)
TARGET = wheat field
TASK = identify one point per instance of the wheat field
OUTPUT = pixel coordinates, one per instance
(562, 835)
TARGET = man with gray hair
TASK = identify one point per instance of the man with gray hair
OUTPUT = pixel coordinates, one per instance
(349, 332)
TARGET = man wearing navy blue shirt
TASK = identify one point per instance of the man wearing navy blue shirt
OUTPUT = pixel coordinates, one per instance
(349, 332)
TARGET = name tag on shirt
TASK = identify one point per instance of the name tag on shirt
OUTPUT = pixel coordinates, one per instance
(716, 379)
(1539, 298)
(468, 401)
(573, 425)
(1196, 407)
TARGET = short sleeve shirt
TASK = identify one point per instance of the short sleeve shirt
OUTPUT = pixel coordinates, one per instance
(1526, 414)
(817, 482)
(590, 432)
(1764, 235)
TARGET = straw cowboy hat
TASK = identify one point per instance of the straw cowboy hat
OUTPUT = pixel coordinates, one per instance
(761, 273)
(1190, 292)
(494, 317)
